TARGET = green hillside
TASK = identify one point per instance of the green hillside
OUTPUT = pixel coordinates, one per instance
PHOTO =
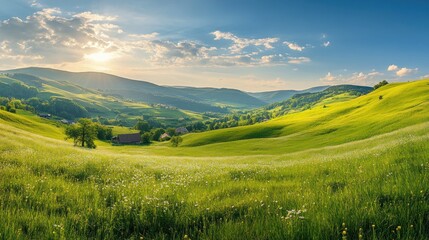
(194, 99)
(402, 104)
(283, 95)
(375, 187)
(108, 108)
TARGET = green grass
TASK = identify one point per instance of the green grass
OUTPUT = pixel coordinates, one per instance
(403, 104)
(303, 180)
(52, 190)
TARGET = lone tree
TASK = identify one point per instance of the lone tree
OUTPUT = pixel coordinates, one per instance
(83, 133)
(380, 84)
(176, 140)
(146, 138)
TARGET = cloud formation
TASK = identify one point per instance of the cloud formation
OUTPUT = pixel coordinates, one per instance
(326, 44)
(294, 46)
(242, 43)
(359, 78)
(50, 36)
(405, 71)
(401, 72)
(392, 67)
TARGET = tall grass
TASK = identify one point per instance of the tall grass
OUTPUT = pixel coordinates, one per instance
(376, 188)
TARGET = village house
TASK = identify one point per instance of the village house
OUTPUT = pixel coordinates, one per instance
(164, 136)
(131, 138)
(65, 121)
(45, 115)
(181, 130)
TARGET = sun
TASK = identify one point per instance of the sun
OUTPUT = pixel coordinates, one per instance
(100, 56)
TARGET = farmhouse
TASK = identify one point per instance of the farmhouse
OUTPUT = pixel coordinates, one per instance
(65, 121)
(181, 130)
(132, 138)
(45, 115)
(164, 136)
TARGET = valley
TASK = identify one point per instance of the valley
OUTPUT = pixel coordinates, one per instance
(346, 165)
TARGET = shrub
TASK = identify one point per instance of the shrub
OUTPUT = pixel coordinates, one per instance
(146, 138)
(176, 140)
(380, 84)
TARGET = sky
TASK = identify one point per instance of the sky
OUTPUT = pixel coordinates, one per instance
(250, 45)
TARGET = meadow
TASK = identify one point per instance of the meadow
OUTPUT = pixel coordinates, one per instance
(366, 184)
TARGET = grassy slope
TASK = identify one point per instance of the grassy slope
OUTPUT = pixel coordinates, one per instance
(32, 124)
(52, 190)
(403, 104)
(105, 105)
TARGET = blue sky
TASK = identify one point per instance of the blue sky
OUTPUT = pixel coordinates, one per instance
(250, 45)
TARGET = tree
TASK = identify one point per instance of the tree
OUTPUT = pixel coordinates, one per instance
(103, 132)
(142, 126)
(146, 138)
(156, 133)
(171, 131)
(176, 140)
(380, 84)
(83, 133)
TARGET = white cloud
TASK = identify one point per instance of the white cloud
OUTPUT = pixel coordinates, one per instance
(329, 78)
(425, 76)
(392, 67)
(274, 58)
(298, 60)
(50, 37)
(401, 72)
(153, 35)
(294, 46)
(405, 71)
(241, 43)
(326, 44)
(35, 4)
(359, 78)
(47, 37)
(92, 17)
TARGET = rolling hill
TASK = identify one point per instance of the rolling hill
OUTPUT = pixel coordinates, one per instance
(357, 167)
(188, 98)
(386, 109)
(282, 95)
(98, 104)
(194, 99)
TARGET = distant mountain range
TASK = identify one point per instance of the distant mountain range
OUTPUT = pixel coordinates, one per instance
(187, 98)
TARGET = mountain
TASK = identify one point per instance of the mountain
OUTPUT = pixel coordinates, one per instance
(194, 99)
(282, 95)
(306, 100)
(67, 100)
(123, 87)
(188, 98)
(223, 96)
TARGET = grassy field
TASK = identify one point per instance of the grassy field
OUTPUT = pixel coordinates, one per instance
(366, 179)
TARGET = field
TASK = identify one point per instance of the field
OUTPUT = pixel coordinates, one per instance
(289, 178)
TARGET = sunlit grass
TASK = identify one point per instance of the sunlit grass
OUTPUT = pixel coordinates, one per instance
(50, 189)
(304, 181)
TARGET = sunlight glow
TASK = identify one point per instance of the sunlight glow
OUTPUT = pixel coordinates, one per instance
(100, 56)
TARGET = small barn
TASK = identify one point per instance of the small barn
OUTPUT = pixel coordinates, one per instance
(45, 115)
(131, 138)
(181, 130)
(164, 136)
